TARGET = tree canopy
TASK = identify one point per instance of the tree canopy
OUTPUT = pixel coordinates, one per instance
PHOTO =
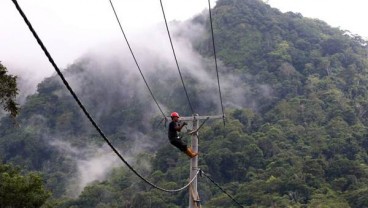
(18, 190)
(8, 91)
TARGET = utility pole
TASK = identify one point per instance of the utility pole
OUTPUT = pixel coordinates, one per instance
(194, 201)
(193, 193)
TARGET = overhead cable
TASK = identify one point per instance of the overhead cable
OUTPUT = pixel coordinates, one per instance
(176, 60)
(232, 198)
(84, 109)
(214, 53)
(135, 60)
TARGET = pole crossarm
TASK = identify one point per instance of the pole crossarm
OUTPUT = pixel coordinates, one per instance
(192, 118)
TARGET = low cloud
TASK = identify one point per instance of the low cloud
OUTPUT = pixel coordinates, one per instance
(113, 65)
(95, 162)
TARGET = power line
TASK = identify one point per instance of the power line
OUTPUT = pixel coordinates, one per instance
(84, 109)
(214, 53)
(135, 60)
(232, 198)
(176, 60)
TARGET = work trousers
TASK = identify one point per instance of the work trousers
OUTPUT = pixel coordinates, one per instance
(177, 142)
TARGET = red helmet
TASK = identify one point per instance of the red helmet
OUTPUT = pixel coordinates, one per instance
(174, 114)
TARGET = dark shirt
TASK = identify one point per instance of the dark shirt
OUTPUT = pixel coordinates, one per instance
(172, 133)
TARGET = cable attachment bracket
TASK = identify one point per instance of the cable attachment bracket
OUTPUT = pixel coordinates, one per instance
(200, 126)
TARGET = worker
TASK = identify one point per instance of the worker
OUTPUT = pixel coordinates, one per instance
(174, 128)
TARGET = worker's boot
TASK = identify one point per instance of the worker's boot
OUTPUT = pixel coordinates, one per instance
(190, 152)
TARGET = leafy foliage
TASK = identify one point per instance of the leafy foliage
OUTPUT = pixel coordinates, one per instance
(18, 190)
(8, 91)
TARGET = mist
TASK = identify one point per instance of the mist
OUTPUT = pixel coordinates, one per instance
(112, 65)
(95, 162)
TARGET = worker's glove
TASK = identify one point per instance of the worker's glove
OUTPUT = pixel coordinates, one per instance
(185, 123)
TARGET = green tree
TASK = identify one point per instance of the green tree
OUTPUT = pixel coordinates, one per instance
(8, 91)
(18, 190)
(358, 198)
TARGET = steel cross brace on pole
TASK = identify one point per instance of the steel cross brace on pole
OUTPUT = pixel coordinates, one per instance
(194, 122)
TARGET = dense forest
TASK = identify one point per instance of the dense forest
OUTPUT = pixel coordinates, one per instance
(295, 92)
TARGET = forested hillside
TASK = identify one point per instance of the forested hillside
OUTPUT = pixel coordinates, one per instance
(295, 92)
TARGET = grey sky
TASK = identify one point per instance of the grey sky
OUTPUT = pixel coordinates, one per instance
(347, 14)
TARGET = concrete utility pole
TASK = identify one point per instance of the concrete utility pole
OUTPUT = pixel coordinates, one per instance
(193, 193)
(194, 201)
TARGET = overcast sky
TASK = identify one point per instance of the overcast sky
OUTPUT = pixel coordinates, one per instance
(69, 28)
(347, 14)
